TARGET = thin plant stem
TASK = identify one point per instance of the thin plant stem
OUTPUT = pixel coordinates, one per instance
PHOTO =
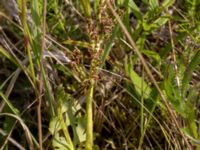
(127, 34)
(65, 130)
(142, 111)
(27, 39)
(173, 54)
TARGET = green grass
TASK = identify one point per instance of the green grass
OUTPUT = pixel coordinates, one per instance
(99, 74)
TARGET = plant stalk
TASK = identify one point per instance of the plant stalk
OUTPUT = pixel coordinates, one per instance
(89, 115)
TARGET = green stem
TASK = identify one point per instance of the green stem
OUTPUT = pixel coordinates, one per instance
(86, 7)
(89, 127)
(27, 39)
(64, 128)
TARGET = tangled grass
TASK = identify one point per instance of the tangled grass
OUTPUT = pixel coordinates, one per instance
(99, 74)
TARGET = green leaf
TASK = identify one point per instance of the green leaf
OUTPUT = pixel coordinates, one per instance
(152, 54)
(109, 44)
(135, 9)
(36, 9)
(54, 125)
(188, 72)
(80, 129)
(153, 4)
(96, 5)
(10, 105)
(182, 107)
(86, 7)
(59, 143)
(7, 55)
(162, 20)
(167, 3)
(191, 130)
(140, 85)
(69, 108)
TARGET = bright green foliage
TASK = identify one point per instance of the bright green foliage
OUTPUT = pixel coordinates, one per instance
(68, 111)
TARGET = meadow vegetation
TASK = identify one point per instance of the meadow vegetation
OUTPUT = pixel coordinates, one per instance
(99, 74)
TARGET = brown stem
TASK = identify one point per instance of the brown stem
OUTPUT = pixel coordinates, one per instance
(148, 73)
